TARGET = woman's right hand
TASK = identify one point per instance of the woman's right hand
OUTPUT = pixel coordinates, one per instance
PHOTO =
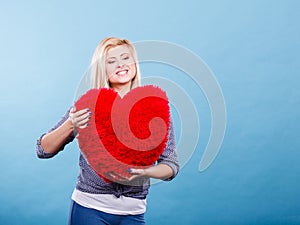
(80, 118)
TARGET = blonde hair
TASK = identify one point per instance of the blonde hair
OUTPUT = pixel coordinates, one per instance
(99, 78)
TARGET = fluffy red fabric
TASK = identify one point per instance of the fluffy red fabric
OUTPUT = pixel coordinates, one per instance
(128, 132)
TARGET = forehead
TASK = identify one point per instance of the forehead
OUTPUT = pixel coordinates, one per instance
(117, 51)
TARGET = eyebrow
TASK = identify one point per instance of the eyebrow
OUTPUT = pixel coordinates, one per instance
(125, 53)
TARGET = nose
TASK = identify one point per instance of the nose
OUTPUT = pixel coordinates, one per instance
(120, 64)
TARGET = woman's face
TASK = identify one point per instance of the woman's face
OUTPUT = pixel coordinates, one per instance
(120, 66)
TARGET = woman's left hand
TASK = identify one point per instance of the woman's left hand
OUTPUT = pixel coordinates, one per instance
(135, 174)
(159, 171)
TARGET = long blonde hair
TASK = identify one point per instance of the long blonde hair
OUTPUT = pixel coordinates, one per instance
(99, 78)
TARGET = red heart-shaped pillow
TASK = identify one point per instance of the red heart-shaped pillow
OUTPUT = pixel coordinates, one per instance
(128, 132)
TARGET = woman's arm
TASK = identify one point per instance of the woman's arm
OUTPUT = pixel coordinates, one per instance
(55, 140)
(169, 157)
(160, 171)
(52, 142)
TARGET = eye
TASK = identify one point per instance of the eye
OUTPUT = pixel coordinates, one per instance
(126, 57)
(111, 61)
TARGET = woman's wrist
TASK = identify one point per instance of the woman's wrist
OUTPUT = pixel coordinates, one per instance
(69, 125)
(159, 171)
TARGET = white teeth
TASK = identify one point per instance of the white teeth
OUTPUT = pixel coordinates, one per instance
(123, 72)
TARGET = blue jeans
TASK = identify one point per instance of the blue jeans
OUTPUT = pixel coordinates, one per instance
(80, 215)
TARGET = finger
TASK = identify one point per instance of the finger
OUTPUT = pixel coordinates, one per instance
(83, 122)
(136, 171)
(83, 126)
(84, 117)
(73, 113)
(118, 178)
(80, 120)
(81, 112)
(113, 177)
(73, 109)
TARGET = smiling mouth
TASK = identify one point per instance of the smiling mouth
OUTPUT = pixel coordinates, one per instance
(122, 72)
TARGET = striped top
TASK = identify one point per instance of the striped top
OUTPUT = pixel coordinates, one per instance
(88, 181)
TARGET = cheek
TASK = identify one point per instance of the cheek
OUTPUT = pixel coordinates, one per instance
(133, 69)
(109, 69)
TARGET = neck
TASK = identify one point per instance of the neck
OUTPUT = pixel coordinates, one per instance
(122, 89)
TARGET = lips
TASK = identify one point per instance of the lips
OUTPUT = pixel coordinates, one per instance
(122, 72)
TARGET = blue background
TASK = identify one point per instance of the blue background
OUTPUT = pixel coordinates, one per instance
(251, 46)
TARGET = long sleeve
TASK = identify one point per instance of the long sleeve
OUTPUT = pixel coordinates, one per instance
(39, 149)
(169, 155)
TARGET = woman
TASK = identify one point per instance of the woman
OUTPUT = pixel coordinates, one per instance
(114, 65)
